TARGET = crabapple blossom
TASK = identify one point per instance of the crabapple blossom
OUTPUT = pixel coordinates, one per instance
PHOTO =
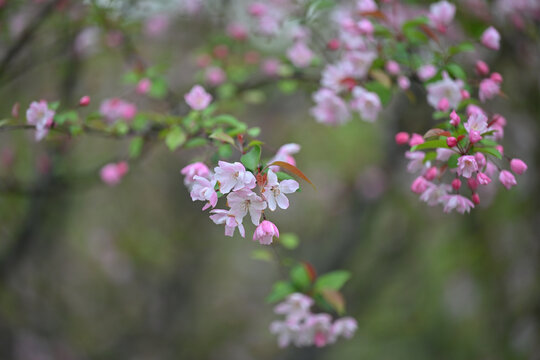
(488, 89)
(416, 162)
(457, 202)
(203, 190)
(441, 14)
(143, 86)
(467, 166)
(416, 139)
(270, 67)
(195, 169)
(366, 103)
(245, 201)
(454, 118)
(491, 38)
(39, 115)
(274, 191)
(476, 122)
(518, 166)
(426, 72)
(402, 138)
(482, 178)
(404, 82)
(435, 194)
(392, 67)
(84, 101)
(198, 98)
(265, 232)
(231, 222)
(215, 76)
(112, 174)
(345, 327)
(444, 89)
(330, 109)
(296, 305)
(419, 185)
(233, 177)
(117, 109)
(482, 68)
(300, 54)
(507, 179)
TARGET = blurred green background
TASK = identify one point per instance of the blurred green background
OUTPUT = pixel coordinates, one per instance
(139, 272)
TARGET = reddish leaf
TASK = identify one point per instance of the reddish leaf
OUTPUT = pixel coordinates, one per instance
(429, 32)
(436, 132)
(310, 270)
(292, 169)
(376, 14)
(334, 299)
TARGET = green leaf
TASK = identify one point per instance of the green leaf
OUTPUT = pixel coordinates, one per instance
(261, 254)
(252, 158)
(452, 161)
(300, 277)
(438, 115)
(489, 150)
(225, 151)
(457, 71)
(432, 144)
(334, 299)
(122, 128)
(196, 142)
(254, 131)
(75, 130)
(158, 89)
(280, 291)
(466, 46)
(333, 280)
(135, 147)
(221, 136)
(54, 105)
(288, 86)
(284, 176)
(430, 155)
(175, 138)
(289, 241)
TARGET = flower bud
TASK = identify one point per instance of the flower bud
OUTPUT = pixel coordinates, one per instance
(507, 179)
(475, 199)
(402, 138)
(443, 104)
(518, 166)
(431, 173)
(472, 183)
(451, 141)
(456, 184)
(84, 101)
(454, 118)
(482, 178)
(265, 232)
(419, 185)
(482, 68)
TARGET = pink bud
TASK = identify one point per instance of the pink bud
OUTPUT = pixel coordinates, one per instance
(416, 139)
(507, 179)
(203, 60)
(365, 27)
(473, 184)
(443, 104)
(15, 110)
(265, 232)
(482, 178)
(500, 148)
(454, 118)
(456, 184)
(518, 166)
(465, 94)
(402, 138)
(475, 198)
(480, 159)
(496, 77)
(404, 82)
(491, 38)
(392, 67)
(419, 185)
(451, 141)
(84, 101)
(431, 173)
(143, 86)
(221, 51)
(333, 44)
(482, 68)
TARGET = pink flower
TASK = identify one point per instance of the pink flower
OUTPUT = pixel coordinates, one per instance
(271, 67)
(366, 103)
(84, 101)
(460, 203)
(265, 232)
(233, 177)
(488, 89)
(482, 178)
(337, 77)
(392, 67)
(156, 25)
(467, 166)
(215, 76)
(416, 139)
(518, 166)
(295, 306)
(320, 326)
(476, 122)
(111, 174)
(366, 6)
(435, 194)
(416, 162)
(456, 184)
(39, 115)
(426, 72)
(507, 179)
(300, 55)
(346, 327)
(402, 138)
(443, 104)
(246, 201)
(454, 118)
(203, 190)
(116, 109)
(474, 136)
(444, 154)
(144, 86)
(482, 68)
(257, 9)
(361, 61)
(198, 98)
(441, 14)
(195, 169)
(274, 191)
(419, 185)
(480, 159)
(330, 109)
(365, 27)
(286, 332)
(444, 89)
(491, 38)
(403, 82)
(231, 221)
(237, 31)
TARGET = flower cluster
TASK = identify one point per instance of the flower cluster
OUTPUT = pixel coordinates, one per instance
(247, 193)
(304, 328)
(39, 115)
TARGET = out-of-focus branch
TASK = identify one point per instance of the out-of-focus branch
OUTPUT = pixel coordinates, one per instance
(26, 36)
